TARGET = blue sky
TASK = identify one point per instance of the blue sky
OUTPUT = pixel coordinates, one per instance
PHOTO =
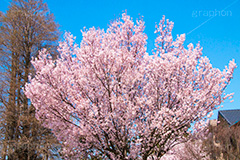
(215, 24)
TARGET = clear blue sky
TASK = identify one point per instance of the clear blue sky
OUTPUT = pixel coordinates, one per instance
(215, 24)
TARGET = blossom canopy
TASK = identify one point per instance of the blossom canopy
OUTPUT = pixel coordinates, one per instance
(110, 99)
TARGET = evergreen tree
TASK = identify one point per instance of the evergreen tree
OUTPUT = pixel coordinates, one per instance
(25, 28)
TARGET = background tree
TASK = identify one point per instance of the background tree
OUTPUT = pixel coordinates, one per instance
(229, 139)
(223, 142)
(25, 28)
(110, 99)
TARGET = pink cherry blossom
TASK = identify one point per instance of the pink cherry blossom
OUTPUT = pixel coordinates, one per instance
(109, 98)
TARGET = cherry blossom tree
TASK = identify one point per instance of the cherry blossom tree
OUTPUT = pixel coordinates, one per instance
(110, 99)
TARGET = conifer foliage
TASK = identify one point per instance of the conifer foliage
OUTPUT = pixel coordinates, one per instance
(25, 28)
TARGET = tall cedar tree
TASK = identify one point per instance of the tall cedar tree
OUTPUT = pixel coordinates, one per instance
(26, 27)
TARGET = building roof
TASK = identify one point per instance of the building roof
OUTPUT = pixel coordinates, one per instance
(231, 116)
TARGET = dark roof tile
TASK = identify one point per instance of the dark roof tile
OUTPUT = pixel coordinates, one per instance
(231, 116)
